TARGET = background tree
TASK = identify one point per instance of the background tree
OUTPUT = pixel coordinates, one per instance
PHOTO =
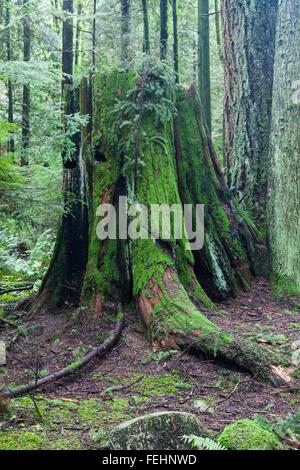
(26, 89)
(163, 29)
(248, 31)
(284, 169)
(175, 39)
(11, 146)
(125, 32)
(204, 59)
(146, 42)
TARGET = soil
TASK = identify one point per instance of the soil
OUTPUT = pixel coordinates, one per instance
(78, 412)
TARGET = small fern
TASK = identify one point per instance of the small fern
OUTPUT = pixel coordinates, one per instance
(202, 443)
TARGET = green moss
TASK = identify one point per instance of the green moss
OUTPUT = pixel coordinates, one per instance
(247, 435)
(282, 285)
(20, 440)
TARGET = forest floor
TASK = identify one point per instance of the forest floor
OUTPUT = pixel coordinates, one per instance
(78, 412)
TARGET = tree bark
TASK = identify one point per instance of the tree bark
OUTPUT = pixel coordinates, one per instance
(163, 29)
(26, 92)
(284, 169)
(204, 59)
(248, 29)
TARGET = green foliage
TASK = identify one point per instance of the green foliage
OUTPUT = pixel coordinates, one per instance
(265, 335)
(152, 96)
(202, 443)
(289, 427)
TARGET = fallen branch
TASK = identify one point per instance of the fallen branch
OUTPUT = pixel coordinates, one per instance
(100, 350)
(16, 289)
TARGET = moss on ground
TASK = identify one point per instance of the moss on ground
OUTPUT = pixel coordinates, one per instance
(77, 424)
(247, 435)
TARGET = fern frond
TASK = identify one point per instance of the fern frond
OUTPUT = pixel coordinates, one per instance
(202, 443)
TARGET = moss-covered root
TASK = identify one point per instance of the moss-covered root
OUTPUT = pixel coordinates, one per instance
(172, 320)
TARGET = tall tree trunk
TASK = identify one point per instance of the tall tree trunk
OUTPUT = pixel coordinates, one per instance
(64, 278)
(284, 168)
(125, 32)
(248, 30)
(163, 29)
(26, 92)
(146, 42)
(204, 59)
(78, 28)
(94, 36)
(11, 143)
(175, 39)
(218, 27)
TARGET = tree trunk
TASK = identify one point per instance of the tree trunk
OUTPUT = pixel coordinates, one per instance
(146, 42)
(169, 283)
(64, 278)
(218, 27)
(11, 143)
(94, 36)
(284, 169)
(125, 33)
(175, 39)
(26, 93)
(248, 29)
(78, 27)
(163, 29)
(204, 59)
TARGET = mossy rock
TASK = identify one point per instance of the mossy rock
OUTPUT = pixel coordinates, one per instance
(157, 431)
(247, 435)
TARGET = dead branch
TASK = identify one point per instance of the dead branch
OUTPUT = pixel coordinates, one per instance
(100, 350)
(16, 289)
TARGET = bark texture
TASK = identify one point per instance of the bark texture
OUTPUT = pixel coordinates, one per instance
(248, 29)
(284, 168)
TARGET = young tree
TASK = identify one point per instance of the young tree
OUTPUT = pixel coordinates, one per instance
(204, 59)
(26, 90)
(125, 32)
(94, 36)
(284, 168)
(248, 30)
(78, 30)
(175, 39)
(163, 29)
(11, 144)
(146, 42)
(218, 27)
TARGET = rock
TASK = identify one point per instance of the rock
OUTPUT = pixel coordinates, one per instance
(157, 431)
(247, 435)
(2, 353)
(203, 406)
